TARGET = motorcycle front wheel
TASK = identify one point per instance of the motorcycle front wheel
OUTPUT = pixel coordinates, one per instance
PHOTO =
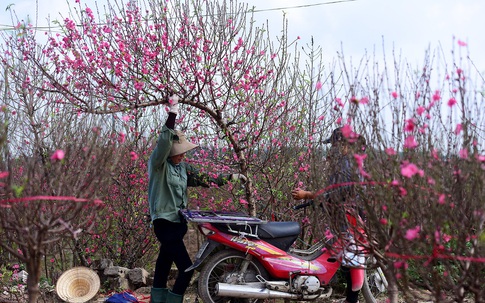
(226, 266)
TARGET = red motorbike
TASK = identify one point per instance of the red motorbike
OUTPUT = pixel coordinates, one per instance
(246, 259)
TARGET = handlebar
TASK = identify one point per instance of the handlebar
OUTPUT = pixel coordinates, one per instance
(303, 205)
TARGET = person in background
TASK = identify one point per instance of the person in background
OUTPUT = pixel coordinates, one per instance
(341, 171)
(169, 178)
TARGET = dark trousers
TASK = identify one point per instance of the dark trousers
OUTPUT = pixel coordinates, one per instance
(172, 250)
(352, 296)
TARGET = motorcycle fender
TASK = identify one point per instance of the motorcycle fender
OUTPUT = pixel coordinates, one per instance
(204, 251)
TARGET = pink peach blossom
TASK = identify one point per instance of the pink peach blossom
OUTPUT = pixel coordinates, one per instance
(133, 156)
(451, 102)
(410, 142)
(359, 159)
(339, 102)
(412, 233)
(437, 95)
(364, 100)
(458, 129)
(121, 137)
(347, 131)
(390, 151)
(408, 170)
(420, 110)
(401, 264)
(410, 125)
(57, 155)
(243, 201)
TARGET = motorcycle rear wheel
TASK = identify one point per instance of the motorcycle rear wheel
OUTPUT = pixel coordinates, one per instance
(224, 266)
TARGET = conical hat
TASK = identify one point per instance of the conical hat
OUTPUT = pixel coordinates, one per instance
(78, 285)
(180, 144)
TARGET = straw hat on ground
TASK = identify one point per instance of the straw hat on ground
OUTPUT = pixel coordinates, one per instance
(77, 285)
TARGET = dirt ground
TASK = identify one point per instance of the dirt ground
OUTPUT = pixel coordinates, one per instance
(192, 297)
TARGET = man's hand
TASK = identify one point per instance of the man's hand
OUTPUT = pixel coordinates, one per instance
(299, 194)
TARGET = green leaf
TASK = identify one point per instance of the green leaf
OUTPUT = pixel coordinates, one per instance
(17, 190)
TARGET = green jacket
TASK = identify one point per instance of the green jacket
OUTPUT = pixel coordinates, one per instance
(167, 187)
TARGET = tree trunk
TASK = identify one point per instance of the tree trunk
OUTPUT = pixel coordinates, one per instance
(392, 289)
(33, 269)
(249, 197)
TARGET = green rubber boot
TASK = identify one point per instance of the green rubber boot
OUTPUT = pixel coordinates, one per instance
(174, 298)
(158, 295)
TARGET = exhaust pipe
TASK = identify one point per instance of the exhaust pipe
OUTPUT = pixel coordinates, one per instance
(256, 291)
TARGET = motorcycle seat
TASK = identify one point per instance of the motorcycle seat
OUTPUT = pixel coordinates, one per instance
(272, 230)
(279, 234)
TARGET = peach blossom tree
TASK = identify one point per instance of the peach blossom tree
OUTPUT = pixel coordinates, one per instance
(231, 77)
(422, 173)
(54, 161)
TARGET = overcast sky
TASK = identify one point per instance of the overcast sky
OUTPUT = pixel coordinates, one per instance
(407, 26)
